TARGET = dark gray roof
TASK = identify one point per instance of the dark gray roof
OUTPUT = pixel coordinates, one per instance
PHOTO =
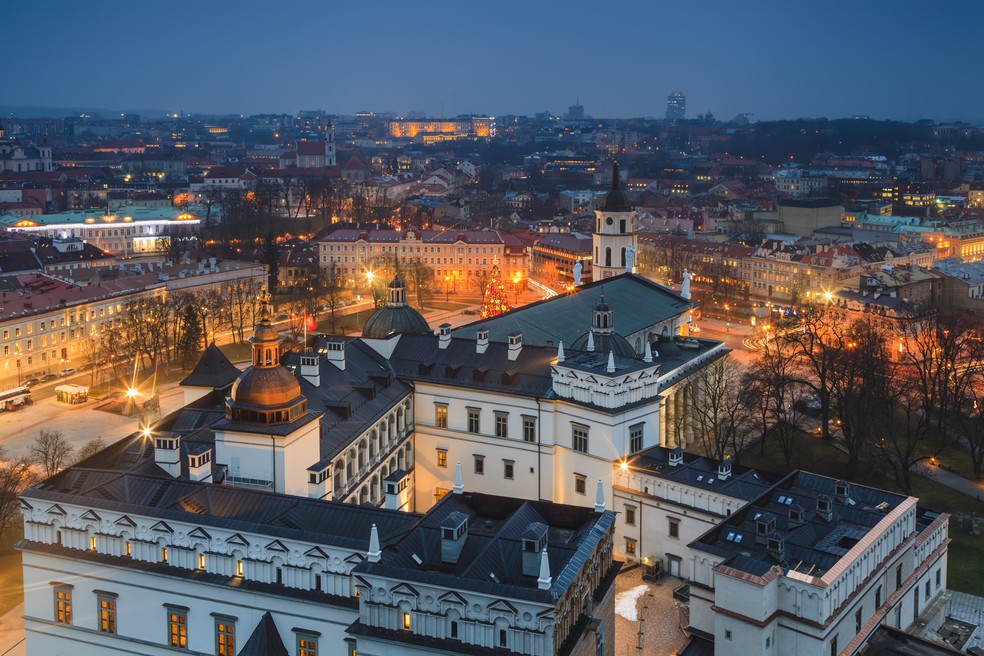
(605, 342)
(813, 544)
(493, 545)
(701, 472)
(265, 640)
(641, 303)
(214, 370)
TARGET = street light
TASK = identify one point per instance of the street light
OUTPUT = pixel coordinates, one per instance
(447, 289)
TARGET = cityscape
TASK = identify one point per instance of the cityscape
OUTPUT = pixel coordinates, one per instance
(321, 334)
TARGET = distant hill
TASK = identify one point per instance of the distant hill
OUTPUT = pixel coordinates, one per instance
(61, 112)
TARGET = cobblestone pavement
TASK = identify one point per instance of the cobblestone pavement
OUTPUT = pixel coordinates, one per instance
(659, 617)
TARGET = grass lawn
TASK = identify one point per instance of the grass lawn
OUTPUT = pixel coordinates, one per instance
(11, 574)
(237, 352)
(813, 454)
(441, 305)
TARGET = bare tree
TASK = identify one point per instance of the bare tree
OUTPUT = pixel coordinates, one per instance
(779, 389)
(15, 477)
(905, 430)
(51, 451)
(89, 449)
(722, 419)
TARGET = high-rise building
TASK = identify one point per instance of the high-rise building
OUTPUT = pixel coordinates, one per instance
(575, 112)
(676, 106)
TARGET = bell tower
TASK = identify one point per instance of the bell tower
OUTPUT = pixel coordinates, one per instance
(614, 236)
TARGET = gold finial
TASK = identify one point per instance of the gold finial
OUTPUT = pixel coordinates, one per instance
(264, 305)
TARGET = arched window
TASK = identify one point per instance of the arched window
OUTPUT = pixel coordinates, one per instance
(623, 256)
(608, 256)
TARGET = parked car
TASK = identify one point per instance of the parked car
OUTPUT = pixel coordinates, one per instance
(67, 372)
(48, 377)
(470, 311)
(32, 381)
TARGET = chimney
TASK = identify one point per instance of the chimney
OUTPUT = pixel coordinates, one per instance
(676, 457)
(310, 371)
(842, 489)
(483, 340)
(167, 453)
(796, 515)
(336, 353)
(374, 555)
(515, 345)
(200, 466)
(534, 541)
(724, 469)
(765, 526)
(444, 340)
(825, 507)
(775, 546)
(544, 581)
(454, 532)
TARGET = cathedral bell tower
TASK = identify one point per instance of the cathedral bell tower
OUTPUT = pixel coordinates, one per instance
(614, 236)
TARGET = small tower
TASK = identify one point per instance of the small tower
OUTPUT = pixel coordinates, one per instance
(614, 232)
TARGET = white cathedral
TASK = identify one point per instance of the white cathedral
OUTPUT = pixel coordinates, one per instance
(469, 491)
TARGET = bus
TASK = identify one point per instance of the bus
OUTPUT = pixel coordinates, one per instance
(14, 398)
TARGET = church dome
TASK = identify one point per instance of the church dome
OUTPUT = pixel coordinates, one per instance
(266, 393)
(616, 200)
(396, 316)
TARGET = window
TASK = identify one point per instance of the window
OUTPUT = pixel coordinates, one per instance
(630, 515)
(508, 466)
(635, 438)
(454, 629)
(63, 604)
(727, 634)
(163, 554)
(106, 606)
(630, 546)
(529, 429)
(502, 637)
(225, 636)
(177, 627)
(406, 621)
(307, 645)
(201, 561)
(938, 579)
(928, 591)
(878, 598)
(239, 568)
(479, 464)
(857, 620)
(580, 483)
(833, 646)
(442, 458)
(579, 438)
(898, 577)
(768, 641)
(501, 424)
(474, 420)
(674, 528)
(441, 415)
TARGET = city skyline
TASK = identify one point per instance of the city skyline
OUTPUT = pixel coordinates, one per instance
(445, 59)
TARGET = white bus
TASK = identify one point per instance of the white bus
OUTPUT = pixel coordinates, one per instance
(14, 398)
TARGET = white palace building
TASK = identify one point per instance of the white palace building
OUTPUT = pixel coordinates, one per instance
(466, 492)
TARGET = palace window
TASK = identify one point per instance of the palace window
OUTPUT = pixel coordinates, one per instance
(502, 424)
(579, 438)
(177, 626)
(441, 415)
(63, 604)
(106, 606)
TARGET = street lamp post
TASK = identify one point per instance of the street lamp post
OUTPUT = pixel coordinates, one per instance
(447, 289)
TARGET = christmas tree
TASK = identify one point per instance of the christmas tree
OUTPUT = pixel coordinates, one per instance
(494, 302)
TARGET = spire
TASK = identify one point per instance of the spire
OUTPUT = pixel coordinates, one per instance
(600, 498)
(648, 357)
(374, 554)
(590, 341)
(459, 485)
(560, 352)
(611, 362)
(615, 180)
(545, 581)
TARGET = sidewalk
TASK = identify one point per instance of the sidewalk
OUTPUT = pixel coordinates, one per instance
(12, 632)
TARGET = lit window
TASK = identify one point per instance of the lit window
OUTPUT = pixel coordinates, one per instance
(442, 458)
(239, 568)
(441, 415)
(201, 561)
(163, 554)
(630, 546)
(225, 637)
(107, 612)
(406, 621)
(63, 604)
(307, 645)
(177, 627)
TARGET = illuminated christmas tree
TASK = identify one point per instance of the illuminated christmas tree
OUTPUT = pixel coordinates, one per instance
(494, 302)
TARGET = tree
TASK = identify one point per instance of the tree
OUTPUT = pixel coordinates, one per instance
(15, 477)
(779, 389)
(722, 420)
(188, 343)
(494, 302)
(51, 451)
(271, 258)
(328, 284)
(819, 343)
(89, 449)
(904, 430)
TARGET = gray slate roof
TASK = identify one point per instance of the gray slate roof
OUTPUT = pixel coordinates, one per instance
(214, 370)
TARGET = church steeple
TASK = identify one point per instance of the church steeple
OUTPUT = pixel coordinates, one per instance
(614, 234)
(265, 339)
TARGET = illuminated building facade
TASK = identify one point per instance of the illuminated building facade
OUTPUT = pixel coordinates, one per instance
(479, 126)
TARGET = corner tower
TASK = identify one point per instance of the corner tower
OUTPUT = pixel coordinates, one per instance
(614, 232)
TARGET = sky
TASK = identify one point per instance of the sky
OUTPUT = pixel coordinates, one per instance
(901, 59)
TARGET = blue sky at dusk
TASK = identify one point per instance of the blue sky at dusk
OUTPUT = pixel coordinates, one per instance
(902, 59)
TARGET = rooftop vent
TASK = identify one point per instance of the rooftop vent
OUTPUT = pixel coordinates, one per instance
(825, 507)
(765, 525)
(534, 541)
(482, 341)
(454, 532)
(676, 457)
(444, 340)
(724, 469)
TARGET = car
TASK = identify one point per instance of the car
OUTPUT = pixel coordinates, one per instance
(32, 381)
(470, 311)
(48, 377)
(67, 372)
